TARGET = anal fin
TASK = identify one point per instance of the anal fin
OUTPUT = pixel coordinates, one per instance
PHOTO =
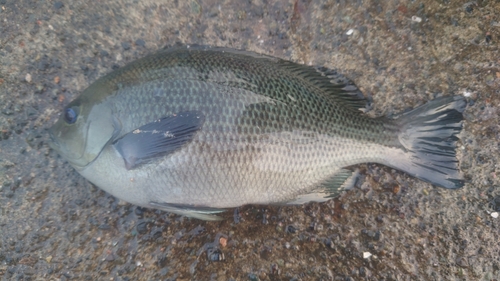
(344, 179)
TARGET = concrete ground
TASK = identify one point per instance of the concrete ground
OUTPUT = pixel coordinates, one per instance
(54, 225)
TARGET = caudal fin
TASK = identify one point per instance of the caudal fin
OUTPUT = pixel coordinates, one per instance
(429, 136)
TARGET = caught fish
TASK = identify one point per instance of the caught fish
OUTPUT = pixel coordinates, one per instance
(194, 130)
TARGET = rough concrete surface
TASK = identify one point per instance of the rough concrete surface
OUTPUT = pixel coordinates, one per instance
(54, 225)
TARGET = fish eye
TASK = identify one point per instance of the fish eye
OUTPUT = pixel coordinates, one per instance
(70, 115)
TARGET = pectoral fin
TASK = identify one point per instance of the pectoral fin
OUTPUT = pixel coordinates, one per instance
(158, 138)
(202, 213)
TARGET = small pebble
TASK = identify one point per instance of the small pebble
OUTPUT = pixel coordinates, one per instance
(488, 38)
(104, 53)
(350, 31)
(126, 45)
(494, 215)
(366, 255)
(140, 42)
(223, 241)
(28, 78)
(58, 5)
(291, 229)
(416, 19)
(469, 6)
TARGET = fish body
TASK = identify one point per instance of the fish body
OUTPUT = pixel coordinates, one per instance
(193, 130)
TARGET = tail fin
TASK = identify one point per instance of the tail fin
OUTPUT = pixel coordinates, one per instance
(429, 135)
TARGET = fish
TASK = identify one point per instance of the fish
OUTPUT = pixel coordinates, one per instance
(195, 130)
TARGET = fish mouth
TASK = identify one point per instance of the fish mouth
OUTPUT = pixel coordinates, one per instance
(75, 161)
(54, 144)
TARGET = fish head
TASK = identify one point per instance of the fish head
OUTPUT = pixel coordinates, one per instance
(83, 130)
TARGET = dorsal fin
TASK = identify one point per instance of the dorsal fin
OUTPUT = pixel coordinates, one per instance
(352, 95)
(335, 85)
